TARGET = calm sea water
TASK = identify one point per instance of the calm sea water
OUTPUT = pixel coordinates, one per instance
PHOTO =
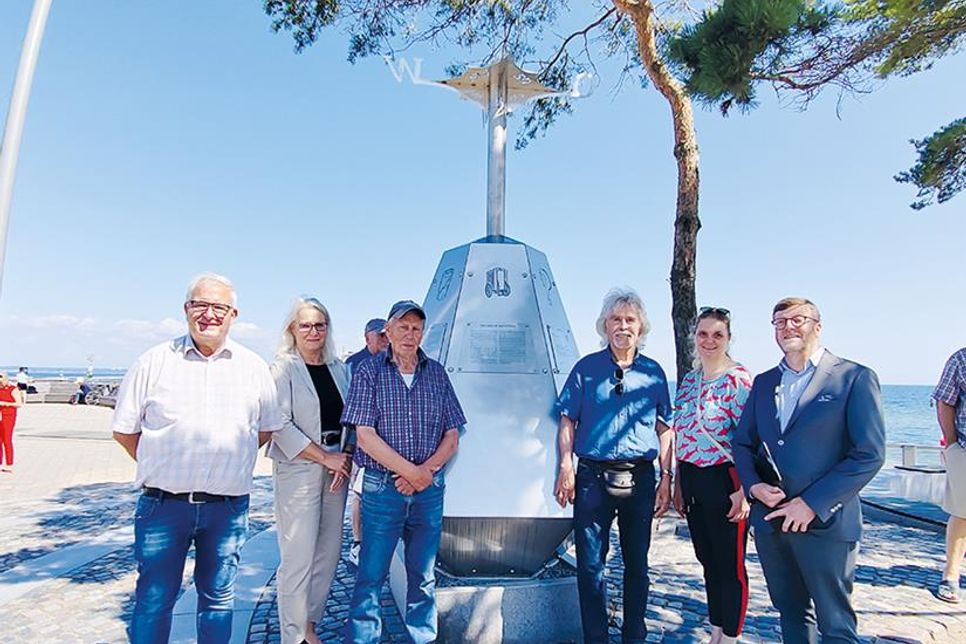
(910, 416)
(65, 372)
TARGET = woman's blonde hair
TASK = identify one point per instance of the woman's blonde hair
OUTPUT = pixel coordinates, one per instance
(286, 344)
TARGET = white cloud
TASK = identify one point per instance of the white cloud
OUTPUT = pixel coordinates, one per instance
(246, 330)
(147, 330)
(170, 328)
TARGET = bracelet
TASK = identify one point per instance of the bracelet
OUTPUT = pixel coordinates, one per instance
(668, 473)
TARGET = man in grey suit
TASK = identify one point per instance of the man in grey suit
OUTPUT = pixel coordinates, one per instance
(816, 421)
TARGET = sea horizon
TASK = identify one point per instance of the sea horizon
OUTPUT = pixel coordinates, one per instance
(47, 371)
(909, 413)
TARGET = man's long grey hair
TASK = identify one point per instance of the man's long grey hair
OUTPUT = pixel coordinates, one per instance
(615, 299)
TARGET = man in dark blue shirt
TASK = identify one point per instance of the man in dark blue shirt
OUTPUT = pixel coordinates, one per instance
(615, 415)
(407, 421)
(376, 341)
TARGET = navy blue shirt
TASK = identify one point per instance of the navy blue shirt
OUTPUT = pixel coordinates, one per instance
(357, 358)
(411, 420)
(612, 426)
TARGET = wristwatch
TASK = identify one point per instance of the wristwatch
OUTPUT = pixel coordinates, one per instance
(667, 472)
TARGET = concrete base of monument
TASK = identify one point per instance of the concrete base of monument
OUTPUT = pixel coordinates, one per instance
(507, 611)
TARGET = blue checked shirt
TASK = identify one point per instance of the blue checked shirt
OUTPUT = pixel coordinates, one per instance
(951, 390)
(411, 420)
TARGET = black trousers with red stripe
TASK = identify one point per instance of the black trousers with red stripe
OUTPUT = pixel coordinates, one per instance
(718, 543)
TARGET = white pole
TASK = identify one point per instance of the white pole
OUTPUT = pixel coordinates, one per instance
(13, 130)
(497, 108)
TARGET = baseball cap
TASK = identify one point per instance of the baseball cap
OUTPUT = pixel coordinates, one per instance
(403, 307)
(376, 324)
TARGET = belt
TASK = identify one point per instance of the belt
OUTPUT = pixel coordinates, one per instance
(190, 497)
(600, 466)
(330, 438)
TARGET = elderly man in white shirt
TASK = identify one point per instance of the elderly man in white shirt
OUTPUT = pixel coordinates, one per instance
(193, 412)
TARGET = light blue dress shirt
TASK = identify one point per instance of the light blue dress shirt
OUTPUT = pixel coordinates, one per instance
(792, 386)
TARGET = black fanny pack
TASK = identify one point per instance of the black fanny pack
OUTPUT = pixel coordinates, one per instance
(618, 476)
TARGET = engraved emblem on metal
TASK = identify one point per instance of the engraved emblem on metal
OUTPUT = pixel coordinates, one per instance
(497, 282)
(547, 283)
(444, 281)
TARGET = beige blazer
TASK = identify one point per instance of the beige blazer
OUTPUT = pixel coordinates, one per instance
(299, 403)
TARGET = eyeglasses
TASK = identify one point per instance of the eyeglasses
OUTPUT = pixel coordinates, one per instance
(200, 306)
(320, 327)
(714, 310)
(619, 376)
(795, 321)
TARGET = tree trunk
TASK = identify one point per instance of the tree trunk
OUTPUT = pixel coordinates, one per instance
(686, 222)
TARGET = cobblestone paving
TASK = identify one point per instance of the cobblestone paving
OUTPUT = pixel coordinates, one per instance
(48, 505)
(93, 603)
(898, 568)
(265, 628)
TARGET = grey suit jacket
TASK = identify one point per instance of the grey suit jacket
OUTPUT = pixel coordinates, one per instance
(834, 443)
(299, 404)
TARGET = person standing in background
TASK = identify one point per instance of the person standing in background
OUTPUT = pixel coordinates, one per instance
(11, 399)
(23, 380)
(376, 342)
(950, 397)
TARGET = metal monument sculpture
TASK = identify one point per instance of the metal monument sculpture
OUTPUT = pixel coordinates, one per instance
(495, 320)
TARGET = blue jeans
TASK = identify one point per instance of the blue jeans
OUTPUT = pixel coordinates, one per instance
(388, 515)
(594, 511)
(163, 531)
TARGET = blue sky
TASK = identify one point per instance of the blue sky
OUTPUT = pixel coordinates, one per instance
(168, 138)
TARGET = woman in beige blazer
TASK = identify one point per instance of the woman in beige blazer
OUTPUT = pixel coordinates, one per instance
(310, 468)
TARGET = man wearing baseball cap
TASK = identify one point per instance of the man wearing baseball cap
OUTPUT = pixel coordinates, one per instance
(407, 421)
(376, 341)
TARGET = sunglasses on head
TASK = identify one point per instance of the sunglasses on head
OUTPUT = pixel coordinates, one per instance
(714, 310)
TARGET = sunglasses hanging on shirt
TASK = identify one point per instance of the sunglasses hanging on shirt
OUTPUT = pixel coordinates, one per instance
(619, 376)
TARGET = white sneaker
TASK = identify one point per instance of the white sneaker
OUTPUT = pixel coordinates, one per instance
(354, 554)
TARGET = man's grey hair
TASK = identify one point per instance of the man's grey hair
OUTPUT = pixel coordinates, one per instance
(615, 299)
(211, 277)
(286, 345)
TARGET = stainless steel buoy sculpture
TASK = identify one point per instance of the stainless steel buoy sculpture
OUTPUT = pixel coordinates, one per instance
(495, 320)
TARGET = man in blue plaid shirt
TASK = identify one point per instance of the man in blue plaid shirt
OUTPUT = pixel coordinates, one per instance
(407, 421)
(950, 397)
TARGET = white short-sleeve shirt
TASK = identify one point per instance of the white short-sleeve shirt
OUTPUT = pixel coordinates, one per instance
(198, 416)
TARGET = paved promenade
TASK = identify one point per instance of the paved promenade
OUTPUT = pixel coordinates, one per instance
(67, 571)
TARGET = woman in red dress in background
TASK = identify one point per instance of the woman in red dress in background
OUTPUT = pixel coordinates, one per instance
(10, 399)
